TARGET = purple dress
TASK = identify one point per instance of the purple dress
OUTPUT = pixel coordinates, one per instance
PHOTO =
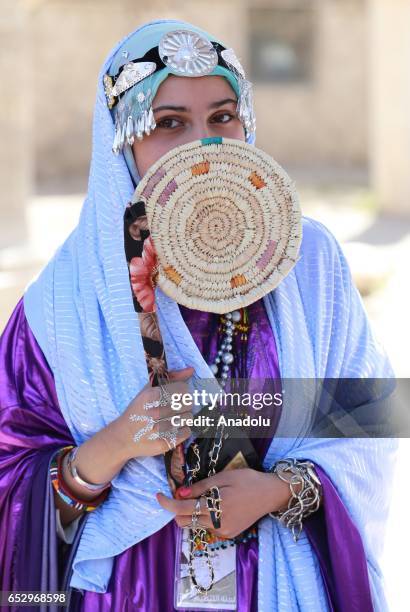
(32, 428)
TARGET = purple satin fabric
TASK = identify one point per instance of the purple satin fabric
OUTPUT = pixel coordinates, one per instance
(32, 427)
(339, 547)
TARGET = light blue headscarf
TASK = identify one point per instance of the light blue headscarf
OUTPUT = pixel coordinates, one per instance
(81, 312)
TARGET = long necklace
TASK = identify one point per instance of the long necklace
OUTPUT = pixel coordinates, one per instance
(230, 323)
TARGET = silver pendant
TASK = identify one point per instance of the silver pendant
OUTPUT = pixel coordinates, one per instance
(130, 130)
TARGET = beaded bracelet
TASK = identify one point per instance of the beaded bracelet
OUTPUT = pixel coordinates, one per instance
(302, 503)
(57, 480)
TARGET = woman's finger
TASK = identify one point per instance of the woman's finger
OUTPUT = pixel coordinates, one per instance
(202, 486)
(178, 387)
(163, 412)
(181, 507)
(166, 417)
(186, 521)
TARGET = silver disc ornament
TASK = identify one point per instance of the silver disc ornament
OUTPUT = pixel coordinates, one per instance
(186, 53)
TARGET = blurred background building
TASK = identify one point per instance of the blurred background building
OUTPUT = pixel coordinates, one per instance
(332, 92)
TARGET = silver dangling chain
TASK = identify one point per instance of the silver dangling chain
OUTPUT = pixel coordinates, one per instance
(198, 532)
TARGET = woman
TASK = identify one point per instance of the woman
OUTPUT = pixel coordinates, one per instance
(73, 373)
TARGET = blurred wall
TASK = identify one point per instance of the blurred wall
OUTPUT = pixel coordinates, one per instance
(15, 116)
(389, 150)
(69, 41)
(322, 121)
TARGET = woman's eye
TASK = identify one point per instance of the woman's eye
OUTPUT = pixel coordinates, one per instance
(223, 118)
(169, 123)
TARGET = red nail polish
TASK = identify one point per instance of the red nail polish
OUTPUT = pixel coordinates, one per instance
(184, 491)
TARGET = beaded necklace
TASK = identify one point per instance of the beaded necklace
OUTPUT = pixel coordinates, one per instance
(230, 324)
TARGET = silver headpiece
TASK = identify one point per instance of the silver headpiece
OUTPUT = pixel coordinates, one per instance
(133, 73)
(185, 53)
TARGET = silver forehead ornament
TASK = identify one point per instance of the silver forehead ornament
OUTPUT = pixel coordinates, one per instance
(187, 53)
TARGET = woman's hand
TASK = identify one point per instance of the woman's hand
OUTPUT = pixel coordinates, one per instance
(136, 420)
(246, 495)
(101, 457)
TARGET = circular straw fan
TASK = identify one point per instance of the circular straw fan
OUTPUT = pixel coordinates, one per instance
(225, 221)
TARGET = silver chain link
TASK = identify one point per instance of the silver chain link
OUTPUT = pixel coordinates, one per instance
(303, 502)
(199, 532)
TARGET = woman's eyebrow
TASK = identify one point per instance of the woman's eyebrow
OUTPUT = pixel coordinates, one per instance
(184, 109)
(222, 102)
(179, 109)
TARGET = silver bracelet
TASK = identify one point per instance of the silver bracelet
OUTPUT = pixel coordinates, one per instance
(73, 471)
(301, 503)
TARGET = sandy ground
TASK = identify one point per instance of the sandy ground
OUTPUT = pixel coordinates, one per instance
(378, 250)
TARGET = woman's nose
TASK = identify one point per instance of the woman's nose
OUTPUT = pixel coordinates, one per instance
(201, 129)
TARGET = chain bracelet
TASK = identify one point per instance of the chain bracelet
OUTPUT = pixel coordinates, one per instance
(302, 503)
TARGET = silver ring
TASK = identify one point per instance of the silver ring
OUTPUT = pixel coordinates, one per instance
(196, 514)
(163, 400)
(197, 508)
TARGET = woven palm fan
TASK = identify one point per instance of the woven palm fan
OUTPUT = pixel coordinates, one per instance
(225, 221)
